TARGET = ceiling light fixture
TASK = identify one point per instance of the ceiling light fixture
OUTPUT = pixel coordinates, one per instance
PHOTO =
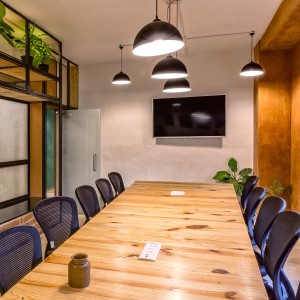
(170, 67)
(157, 38)
(176, 86)
(121, 78)
(252, 69)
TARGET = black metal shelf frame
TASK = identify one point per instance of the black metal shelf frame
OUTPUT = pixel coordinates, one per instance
(44, 98)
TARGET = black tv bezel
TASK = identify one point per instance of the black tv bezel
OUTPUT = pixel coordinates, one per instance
(189, 136)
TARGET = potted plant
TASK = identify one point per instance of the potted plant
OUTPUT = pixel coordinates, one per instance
(233, 176)
(5, 30)
(40, 53)
(278, 188)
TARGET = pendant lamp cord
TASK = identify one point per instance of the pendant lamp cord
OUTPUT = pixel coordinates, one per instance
(251, 34)
(156, 14)
(121, 47)
(177, 18)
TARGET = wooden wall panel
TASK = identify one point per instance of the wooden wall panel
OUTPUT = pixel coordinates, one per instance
(36, 146)
(272, 117)
(295, 129)
(284, 31)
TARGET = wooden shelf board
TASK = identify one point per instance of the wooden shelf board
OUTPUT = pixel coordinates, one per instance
(5, 63)
(20, 95)
(20, 73)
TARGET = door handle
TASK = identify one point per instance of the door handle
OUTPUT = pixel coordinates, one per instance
(94, 162)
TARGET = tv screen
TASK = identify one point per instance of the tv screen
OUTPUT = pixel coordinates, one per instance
(189, 116)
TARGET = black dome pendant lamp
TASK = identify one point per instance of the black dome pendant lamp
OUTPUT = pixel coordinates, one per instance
(157, 38)
(252, 69)
(169, 68)
(121, 78)
(176, 86)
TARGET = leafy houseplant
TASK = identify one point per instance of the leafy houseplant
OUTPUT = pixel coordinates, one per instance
(39, 50)
(277, 188)
(5, 30)
(233, 176)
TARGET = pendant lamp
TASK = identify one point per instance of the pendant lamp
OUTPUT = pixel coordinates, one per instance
(121, 78)
(176, 86)
(252, 69)
(157, 38)
(169, 68)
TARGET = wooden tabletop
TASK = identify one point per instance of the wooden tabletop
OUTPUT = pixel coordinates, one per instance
(206, 252)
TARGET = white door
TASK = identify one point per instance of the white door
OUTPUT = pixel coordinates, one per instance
(81, 150)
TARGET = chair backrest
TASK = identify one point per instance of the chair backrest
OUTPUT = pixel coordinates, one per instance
(58, 217)
(20, 252)
(298, 292)
(248, 187)
(270, 208)
(105, 190)
(284, 234)
(88, 200)
(117, 182)
(255, 197)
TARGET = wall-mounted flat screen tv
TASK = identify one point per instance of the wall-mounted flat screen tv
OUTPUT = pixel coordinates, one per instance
(201, 116)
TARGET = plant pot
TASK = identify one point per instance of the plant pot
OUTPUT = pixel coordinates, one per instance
(44, 67)
(30, 58)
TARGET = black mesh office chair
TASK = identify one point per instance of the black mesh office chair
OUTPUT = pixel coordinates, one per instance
(284, 234)
(20, 252)
(117, 182)
(255, 197)
(270, 208)
(88, 200)
(298, 293)
(105, 190)
(58, 217)
(248, 187)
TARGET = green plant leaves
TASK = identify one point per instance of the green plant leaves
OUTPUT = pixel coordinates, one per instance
(222, 176)
(232, 164)
(231, 176)
(5, 29)
(2, 10)
(245, 172)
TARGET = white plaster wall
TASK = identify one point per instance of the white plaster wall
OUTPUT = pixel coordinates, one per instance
(127, 145)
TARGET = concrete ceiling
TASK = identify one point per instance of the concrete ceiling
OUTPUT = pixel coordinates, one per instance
(91, 30)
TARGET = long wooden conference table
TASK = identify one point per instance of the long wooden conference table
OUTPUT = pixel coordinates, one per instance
(206, 252)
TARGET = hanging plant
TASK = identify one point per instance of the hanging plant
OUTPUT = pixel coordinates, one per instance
(5, 30)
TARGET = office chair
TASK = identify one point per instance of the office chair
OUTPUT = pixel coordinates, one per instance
(105, 190)
(88, 200)
(298, 292)
(20, 252)
(255, 197)
(248, 187)
(58, 217)
(284, 234)
(269, 209)
(117, 182)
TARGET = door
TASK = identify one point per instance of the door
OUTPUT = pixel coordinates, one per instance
(81, 150)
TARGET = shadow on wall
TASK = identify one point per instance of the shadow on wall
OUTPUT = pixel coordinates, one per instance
(215, 142)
